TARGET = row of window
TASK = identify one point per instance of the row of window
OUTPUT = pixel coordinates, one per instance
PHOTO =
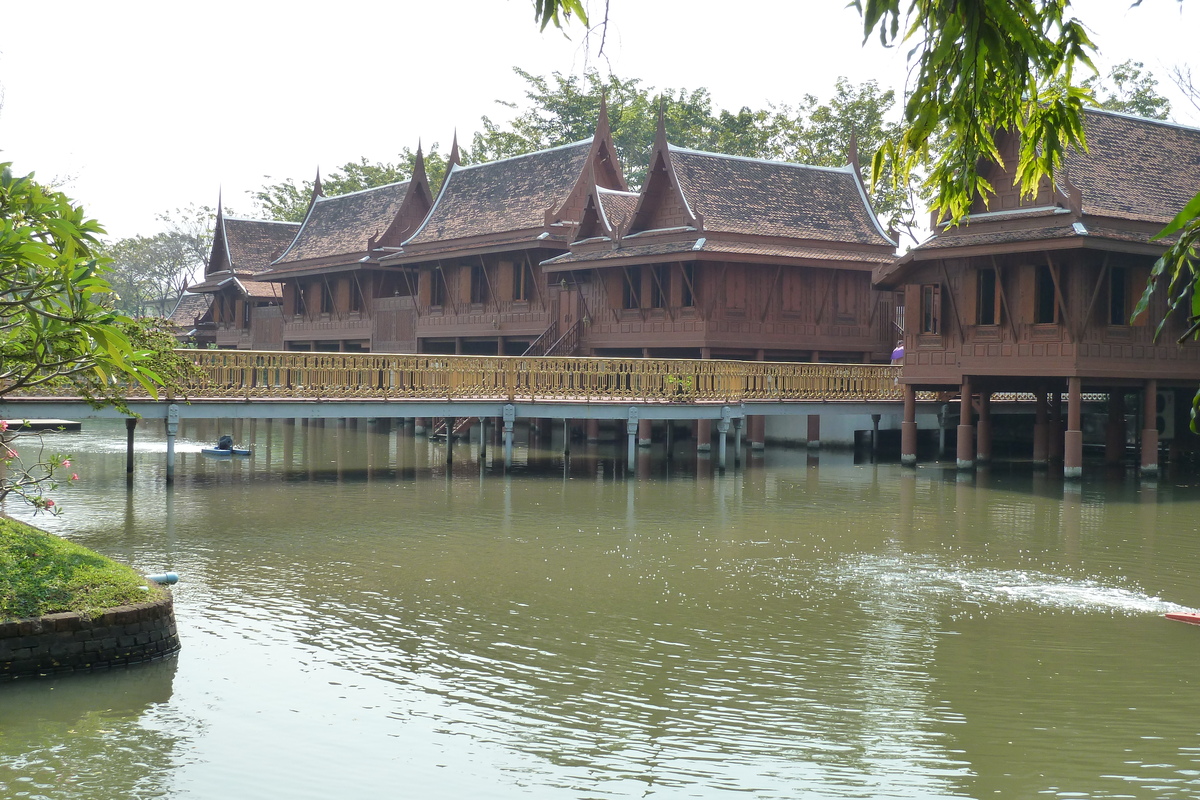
(483, 285)
(1044, 307)
(651, 286)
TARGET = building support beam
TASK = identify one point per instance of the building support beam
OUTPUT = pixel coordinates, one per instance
(966, 431)
(631, 431)
(1041, 427)
(983, 433)
(1114, 429)
(908, 428)
(814, 432)
(1150, 429)
(1073, 439)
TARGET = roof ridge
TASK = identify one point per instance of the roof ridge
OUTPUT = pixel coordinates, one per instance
(463, 168)
(252, 219)
(848, 168)
(617, 191)
(325, 198)
(1166, 123)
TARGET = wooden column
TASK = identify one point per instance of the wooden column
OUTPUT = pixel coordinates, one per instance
(645, 432)
(814, 432)
(1150, 429)
(1114, 429)
(758, 431)
(983, 433)
(966, 431)
(1073, 439)
(1055, 444)
(1041, 428)
(908, 427)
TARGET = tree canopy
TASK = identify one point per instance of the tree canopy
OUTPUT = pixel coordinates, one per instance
(1129, 88)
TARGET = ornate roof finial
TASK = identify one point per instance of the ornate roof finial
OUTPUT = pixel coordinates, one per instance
(852, 152)
(455, 157)
(660, 133)
(602, 126)
(318, 189)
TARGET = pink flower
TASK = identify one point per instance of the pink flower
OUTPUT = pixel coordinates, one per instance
(3, 424)
(66, 462)
(49, 504)
(74, 476)
(11, 453)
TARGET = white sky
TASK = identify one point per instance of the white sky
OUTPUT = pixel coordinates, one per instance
(143, 107)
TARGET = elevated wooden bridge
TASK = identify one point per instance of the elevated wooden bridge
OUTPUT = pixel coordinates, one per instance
(241, 384)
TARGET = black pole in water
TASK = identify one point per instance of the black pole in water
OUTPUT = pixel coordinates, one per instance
(130, 424)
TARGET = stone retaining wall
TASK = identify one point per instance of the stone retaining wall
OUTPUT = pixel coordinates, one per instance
(69, 642)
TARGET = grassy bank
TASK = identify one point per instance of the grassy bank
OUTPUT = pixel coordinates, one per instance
(43, 574)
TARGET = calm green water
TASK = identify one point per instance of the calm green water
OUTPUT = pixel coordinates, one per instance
(357, 620)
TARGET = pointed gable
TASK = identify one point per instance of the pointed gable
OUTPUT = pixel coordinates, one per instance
(663, 205)
(418, 199)
(246, 246)
(605, 213)
(601, 169)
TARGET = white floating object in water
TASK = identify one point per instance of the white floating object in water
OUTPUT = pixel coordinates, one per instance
(167, 578)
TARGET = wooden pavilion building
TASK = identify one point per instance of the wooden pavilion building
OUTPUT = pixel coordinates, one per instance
(474, 260)
(727, 257)
(244, 308)
(335, 296)
(1034, 295)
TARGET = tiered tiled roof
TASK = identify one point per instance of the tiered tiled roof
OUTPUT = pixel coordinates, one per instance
(775, 198)
(189, 310)
(1135, 169)
(344, 225)
(696, 202)
(505, 199)
(1136, 175)
(243, 248)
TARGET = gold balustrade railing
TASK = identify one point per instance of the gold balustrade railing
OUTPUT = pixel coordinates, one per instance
(252, 374)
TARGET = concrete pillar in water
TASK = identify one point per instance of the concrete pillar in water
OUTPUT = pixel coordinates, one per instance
(418, 426)
(483, 438)
(908, 428)
(593, 431)
(510, 416)
(1150, 428)
(814, 431)
(966, 431)
(1114, 429)
(172, 429)
(1041, 428)
(738, 423)
(983, 434)
(875, 435)
(645, 432)
(722, 438)
(450, 439)
(130, 424)
(631, 430)
(1073, 440)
